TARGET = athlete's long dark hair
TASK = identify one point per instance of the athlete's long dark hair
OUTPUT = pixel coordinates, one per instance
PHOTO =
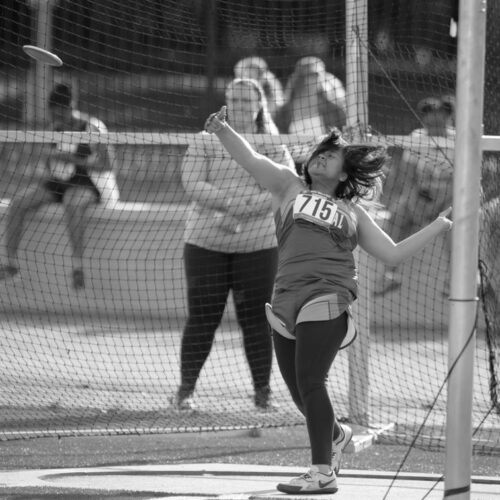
(362, 163)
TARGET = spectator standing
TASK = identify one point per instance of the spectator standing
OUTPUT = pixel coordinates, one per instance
(230, 244)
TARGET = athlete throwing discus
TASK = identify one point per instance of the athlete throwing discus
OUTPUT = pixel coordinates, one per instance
(320, 219)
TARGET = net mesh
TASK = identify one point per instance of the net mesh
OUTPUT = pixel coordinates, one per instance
(106, 358)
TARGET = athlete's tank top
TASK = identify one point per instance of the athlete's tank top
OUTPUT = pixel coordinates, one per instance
(316, 237)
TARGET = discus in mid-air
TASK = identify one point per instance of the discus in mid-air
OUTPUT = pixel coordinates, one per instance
(42, 55)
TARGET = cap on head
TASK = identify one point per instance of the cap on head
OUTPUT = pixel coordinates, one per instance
(60, 96)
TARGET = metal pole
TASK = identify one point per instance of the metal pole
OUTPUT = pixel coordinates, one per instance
(463, 304)
(44, 71)
(356, 65)
(40, 77)
(210, 66)
(357, 123)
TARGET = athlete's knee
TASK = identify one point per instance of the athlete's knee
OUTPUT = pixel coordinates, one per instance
(299, 402)
(295, 394)
(309, 384)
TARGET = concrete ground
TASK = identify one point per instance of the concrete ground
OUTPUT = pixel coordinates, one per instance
(224, 466)
(222, 482)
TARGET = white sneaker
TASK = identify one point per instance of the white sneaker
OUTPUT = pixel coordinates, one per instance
(339, 445)
(187, 404)
(312, 482)
(183, 403)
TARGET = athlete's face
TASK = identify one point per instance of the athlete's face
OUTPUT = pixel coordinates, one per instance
(243, 104)
(327, 166)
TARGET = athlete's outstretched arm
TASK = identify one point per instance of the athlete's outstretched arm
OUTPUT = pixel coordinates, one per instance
(270, 175)
(381, 246)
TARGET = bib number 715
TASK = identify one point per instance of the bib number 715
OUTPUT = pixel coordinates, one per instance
(314, 208)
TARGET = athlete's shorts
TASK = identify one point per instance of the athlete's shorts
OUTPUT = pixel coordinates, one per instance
(57, 187)
(323, 308)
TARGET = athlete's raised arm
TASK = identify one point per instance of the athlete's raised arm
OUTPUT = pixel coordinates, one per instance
(270, 175)
(380, 245)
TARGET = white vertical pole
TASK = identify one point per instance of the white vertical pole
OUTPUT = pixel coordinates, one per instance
(357, 123)
(466, 188)
(39, 79)
(357, 64)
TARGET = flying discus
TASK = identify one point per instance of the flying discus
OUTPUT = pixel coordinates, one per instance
(42, 55)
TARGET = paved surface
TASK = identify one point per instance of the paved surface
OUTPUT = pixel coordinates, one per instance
(212, 465)
(219, 481)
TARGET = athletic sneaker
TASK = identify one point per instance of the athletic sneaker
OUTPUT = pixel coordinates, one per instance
(7, 271)
(183, 400)
(78, 282)
(185, 404)
(339, 445)
(312, 482)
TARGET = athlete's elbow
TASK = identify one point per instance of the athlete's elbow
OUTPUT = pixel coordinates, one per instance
(391, 257)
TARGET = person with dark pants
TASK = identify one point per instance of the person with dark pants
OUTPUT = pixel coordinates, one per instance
(320, 219)
(230, 245)
(304, 364)
(210, 276)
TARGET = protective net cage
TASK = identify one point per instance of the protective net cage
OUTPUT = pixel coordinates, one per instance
(179, 255)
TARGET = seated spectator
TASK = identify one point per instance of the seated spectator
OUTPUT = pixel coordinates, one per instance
(77, 176)
(256, 68)
(426, 189)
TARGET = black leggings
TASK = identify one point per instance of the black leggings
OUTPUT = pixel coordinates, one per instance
(304, 364)
(210, 276)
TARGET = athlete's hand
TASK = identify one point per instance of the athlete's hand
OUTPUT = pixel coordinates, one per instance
(443, 217)
(216, 121)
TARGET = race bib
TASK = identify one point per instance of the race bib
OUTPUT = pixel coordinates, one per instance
(317, 208)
